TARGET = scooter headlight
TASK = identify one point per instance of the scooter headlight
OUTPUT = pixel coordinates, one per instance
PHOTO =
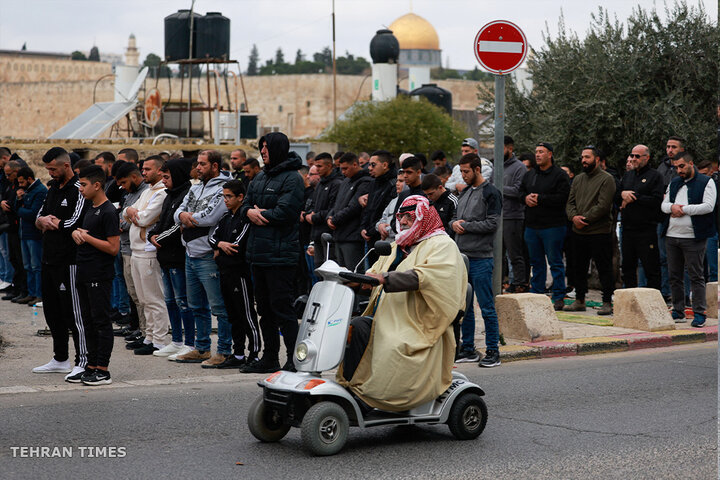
(301, 352)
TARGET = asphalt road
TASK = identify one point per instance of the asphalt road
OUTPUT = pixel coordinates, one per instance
(642, 414)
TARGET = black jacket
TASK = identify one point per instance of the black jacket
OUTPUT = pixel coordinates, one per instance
(347, 211)
(446, 206)
(323, 200)
(232, 228)
(171, 253)
(553, 189)
(278, 188)
(69, 206)
(644, 213)
(305, 227)
(382, 190)
(666, 171)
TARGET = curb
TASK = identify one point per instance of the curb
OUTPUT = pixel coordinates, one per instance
(611, 343)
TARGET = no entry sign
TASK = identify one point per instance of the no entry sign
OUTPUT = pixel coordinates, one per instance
(500, 47)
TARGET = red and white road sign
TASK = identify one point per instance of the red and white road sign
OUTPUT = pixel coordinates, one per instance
(500, 47)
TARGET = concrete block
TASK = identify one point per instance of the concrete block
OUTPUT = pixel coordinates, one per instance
(529, 317)
(712, 299)
(641, 309)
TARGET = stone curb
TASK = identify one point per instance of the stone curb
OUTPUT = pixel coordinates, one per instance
(611, 343)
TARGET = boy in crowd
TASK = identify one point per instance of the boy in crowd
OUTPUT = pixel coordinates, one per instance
(98, 243)
(229, 240)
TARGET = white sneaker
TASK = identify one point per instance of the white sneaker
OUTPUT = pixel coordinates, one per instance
(4, 284)
(38, 304)
(74, 372)
(53, 366)
(167, 350)
(183, 350)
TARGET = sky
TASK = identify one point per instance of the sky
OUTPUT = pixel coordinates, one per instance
(66, 25)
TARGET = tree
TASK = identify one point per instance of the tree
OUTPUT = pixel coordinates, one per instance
(619, 86)
(253, 61)
(94, 55)
(324, 57)
(299, 57)
(349, 65)
(279, 57)
(77, 55)
(153, 62)
(398, 125)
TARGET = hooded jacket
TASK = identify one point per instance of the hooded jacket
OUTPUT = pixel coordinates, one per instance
(347, 210)
(324, 197)
(279, 189)
(171, 253)
(382, 190)
(513, 172)
(205, 202)
(149, 206)
(27, 209)
(479, 209)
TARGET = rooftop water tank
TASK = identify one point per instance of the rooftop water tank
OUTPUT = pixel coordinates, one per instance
(177, 35)
(384, 47)
(435, 95)
(213, 36)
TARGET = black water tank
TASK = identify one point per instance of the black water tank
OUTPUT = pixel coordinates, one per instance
(177, 35)
(213, 36)
(435, 95)
(384, 47)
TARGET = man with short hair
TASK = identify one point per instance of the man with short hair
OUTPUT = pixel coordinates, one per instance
(438, 159)
(30, 198)
(474, 223)
(513, 216)
(689, 201)
(363, 160)
(9, 195)
(129, 155)
(544, 191)
(237, 158)
(6, 268)
(201, 210)
(589, 208)
(444, 202)
(323, 200)
(382, 169)
(59, 216)
(310, 158)
(344, 216)
(455, 182)
(106, 160)
(640, 197)
(251, 167)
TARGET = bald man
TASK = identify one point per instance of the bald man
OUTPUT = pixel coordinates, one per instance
(639, 197)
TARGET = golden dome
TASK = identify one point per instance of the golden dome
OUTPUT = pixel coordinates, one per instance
(415, 33)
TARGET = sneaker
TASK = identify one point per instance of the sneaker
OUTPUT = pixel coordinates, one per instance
(215, 360)
(21, 296)
(491, 359)
(122, 332)
(29, 300)
(698, 321)
(53, 366)
(4, 285)
(136, 344)
(571, 293)
(98, 377)
(289, 366)
(261, 366)
(134, 335)
(194, 356)
(183, 350)
(606, 309)
(10, 294)
(168, 350)
(467, 356)
(77, 373)
(147, 349)
(679, 317)
(232, 362)
(576, 306)
(558, 305)
(120, 318)
(37, 303)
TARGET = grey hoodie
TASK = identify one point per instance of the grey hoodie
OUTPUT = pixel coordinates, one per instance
(130, 198)
(205, 202)
(513, 172)
(479, 209)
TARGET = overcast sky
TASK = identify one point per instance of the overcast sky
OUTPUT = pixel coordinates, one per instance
(67, 25)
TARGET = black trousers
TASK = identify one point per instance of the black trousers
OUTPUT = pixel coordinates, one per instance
(62, 311)
(237, 292)
(643, 246)
(597, 247)
(513, 232)
(360, 328)
(349, 254)
(20, 276)
(96, 309)
(274, 287)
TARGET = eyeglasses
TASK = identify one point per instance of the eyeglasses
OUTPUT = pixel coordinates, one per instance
(635, 155)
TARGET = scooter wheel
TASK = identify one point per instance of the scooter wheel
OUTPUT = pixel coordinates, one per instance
(325, 428)
(468, 417)
(265, 424)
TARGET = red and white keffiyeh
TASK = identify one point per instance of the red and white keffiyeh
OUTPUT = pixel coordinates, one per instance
(426, 221)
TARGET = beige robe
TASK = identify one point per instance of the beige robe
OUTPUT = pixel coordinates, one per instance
(410, 355)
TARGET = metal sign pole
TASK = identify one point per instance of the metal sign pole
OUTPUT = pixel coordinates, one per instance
(498, 178)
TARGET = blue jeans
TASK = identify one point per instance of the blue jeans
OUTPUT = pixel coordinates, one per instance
(6, 269)
(181, 316)
(204, 296)
(664, 274)
(119, 298)
(541, 243)
(480, 277)
(32, 258)
(711, 255)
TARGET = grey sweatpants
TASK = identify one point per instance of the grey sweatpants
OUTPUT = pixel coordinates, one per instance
(686, 253)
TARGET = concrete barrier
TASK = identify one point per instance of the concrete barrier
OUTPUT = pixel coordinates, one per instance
(712, 299)
(641, 309)
(527, 316)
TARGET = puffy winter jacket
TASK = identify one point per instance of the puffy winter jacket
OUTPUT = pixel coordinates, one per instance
(347, 210)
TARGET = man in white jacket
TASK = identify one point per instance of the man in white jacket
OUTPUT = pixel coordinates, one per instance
(146, 272)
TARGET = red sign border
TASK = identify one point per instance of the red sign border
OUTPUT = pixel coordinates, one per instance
(492, 70)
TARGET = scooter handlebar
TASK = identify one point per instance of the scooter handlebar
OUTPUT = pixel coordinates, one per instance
(357, 277)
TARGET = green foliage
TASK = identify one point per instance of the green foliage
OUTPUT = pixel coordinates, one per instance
(153, 62)
(398, 125)
(321, 63)
(475, 74)
(77, 55)
(253, 61)
(619, 86)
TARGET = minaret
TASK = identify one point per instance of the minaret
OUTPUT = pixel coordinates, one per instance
(132, 55)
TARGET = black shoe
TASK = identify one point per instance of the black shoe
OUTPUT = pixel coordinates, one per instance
(17, 298)
(289, 366)
(10, 294)
(122, 331)
(261, 366)
(120, 319)
(133, 336)
(558, 305)
(98, 377)
(136, 344)
(232, 362)
(146, 349)
(467, 356)
(77, 378)
(491, 359)
(26, 299)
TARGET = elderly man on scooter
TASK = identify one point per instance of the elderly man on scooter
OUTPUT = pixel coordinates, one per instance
(401, 351)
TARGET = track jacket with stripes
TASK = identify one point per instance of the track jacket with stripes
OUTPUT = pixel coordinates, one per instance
(68, 205)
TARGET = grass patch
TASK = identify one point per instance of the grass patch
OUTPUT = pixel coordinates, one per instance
(585, 319)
